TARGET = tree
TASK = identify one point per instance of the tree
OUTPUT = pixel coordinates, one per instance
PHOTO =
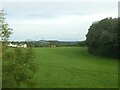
(5, 31)
(4, 27)
(102, 38)
(18, 64)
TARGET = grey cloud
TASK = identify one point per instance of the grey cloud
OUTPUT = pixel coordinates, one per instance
(52, 10)
(55, 9)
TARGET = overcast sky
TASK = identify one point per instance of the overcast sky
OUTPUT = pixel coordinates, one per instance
(68, 21)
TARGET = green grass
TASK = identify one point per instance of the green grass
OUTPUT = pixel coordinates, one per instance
(74, 67)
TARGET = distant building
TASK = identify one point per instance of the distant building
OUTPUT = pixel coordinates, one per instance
(53, 46)
(23, 45)
(16, 45)
(12, 45)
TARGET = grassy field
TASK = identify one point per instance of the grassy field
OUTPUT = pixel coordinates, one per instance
(74, 67)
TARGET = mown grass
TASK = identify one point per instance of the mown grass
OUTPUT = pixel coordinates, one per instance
(74, 67)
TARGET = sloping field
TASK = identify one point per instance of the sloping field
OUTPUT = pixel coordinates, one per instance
(74, 67)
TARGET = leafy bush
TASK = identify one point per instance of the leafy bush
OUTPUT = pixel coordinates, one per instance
(20, 64)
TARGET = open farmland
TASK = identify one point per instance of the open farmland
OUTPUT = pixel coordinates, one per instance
(74, 67)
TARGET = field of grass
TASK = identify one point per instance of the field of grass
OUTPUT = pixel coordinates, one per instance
(74, 67)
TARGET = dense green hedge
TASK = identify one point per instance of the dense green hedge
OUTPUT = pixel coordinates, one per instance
(102, 38)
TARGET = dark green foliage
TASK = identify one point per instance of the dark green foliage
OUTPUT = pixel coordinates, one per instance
(8, 80)
(102, 38)
(82, 44)
(118, 37)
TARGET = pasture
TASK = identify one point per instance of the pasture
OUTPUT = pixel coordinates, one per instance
(74, 67)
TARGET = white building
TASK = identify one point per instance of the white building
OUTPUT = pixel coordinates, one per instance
(12, 45)
(20, 45)
(23, 45)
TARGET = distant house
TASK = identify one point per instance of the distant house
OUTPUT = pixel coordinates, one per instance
(23, 45)
(16, 45)
(53, 46)
(12, 45)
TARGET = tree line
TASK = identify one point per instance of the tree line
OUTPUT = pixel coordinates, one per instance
(50, 43)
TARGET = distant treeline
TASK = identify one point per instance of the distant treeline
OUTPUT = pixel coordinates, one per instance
(45, 43)
(103, 38)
